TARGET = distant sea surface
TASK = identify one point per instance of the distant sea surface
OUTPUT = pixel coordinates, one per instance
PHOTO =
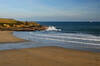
(92, 28)
(74, 35)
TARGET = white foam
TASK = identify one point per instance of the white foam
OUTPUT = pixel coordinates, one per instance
(52, 28)
(67, 36)
(70, 41)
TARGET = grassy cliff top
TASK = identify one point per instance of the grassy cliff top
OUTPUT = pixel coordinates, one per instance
(13, 21)
(5, 20)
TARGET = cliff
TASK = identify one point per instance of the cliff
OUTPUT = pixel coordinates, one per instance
(15, 25)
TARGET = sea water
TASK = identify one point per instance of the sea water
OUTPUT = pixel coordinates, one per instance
(73, 35)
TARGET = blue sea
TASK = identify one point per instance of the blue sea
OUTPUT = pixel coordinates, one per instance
(83, 36)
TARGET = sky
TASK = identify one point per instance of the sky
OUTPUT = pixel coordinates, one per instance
(51, 10)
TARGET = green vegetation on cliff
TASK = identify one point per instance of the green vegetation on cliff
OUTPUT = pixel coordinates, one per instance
(16, 22)
(5, 20)
(12, 24)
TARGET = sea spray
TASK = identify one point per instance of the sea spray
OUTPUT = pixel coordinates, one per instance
(52, 28)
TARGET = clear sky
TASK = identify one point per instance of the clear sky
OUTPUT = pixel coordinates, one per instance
(49, 10)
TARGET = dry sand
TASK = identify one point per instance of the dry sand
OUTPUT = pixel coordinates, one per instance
(48, 56)
(6, 36)
(45, 56)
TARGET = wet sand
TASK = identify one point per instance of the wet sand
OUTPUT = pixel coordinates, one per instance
(48, 56)
(7, 37)
(44, 56)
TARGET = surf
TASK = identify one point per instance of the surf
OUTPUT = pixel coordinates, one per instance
(52, 28)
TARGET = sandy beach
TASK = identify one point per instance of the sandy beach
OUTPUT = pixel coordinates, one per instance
(7, 37)
(48, 56)
(44, 56)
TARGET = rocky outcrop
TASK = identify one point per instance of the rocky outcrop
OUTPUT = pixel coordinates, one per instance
(14, 25)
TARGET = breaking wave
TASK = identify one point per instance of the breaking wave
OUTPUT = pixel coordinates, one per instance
(64, 38)
(53, 28)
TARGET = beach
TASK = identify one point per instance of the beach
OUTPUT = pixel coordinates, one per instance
(50, 33)
(44, 56)
(7, 37)
(48, 56)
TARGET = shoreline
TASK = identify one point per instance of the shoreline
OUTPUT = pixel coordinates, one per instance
(48, 56)
(8, 37)
(44, 56)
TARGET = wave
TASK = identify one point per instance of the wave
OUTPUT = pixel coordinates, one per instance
(52, 28)
(70, 36)
(69, 41)
(62, 39)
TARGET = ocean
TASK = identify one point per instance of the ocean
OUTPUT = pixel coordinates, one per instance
(83, 36)
(76, 27)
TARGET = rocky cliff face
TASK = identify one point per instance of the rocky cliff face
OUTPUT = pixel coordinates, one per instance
(14, 25)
